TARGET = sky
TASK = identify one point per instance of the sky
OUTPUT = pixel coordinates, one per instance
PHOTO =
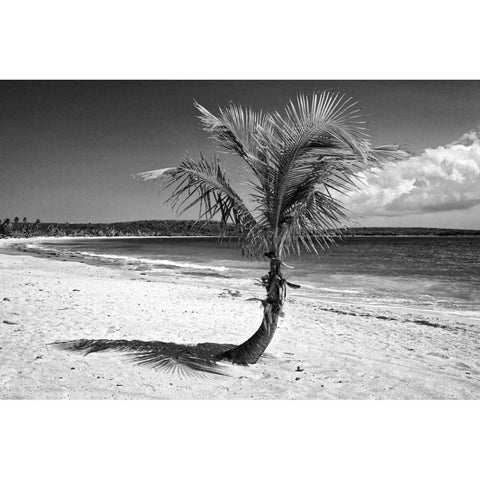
(68, 148)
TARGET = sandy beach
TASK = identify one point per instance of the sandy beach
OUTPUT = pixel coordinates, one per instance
(322, 350)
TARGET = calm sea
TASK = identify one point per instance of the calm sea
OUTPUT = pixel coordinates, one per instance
(434, 273)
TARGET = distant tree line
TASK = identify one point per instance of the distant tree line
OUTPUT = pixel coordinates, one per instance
(135, 228)
(17, 228)
(408, 231)
(24, 228)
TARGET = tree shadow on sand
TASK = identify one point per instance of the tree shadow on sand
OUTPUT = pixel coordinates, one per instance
(169, 357)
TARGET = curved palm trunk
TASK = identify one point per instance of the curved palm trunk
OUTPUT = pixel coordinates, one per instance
(251, 350)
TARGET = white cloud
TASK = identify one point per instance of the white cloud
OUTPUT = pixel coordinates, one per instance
(440, 179)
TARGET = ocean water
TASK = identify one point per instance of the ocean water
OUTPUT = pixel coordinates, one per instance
(433, 273)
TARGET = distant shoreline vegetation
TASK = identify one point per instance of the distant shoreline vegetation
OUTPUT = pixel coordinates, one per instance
(25, 229)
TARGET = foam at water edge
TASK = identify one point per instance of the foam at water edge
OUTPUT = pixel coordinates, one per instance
(336, 290)
(170, 263)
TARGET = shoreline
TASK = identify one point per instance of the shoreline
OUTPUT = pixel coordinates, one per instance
(322, 349)
(174, 271)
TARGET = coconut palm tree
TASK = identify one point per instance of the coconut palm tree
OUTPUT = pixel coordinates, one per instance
(299, 162)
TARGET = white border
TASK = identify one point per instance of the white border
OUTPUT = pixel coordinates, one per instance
(238, 440)
(255, 40)
(252, 39)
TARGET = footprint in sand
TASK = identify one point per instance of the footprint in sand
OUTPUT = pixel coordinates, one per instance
(229, 293)
(439, 355)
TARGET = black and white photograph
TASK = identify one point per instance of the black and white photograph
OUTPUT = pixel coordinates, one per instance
(239, 240)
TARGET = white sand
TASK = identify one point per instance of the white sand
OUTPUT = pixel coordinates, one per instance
(349, 355)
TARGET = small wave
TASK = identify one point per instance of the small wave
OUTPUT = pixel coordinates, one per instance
(338, 290)
(316, 288)
(205, 274)
(126, 258)
(152, 261)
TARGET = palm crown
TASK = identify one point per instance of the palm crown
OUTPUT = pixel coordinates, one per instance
(298, 162)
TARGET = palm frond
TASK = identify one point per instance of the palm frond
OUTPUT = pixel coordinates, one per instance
(235, 129)
(154, 174)
(244, 132)
(379, 156)
(204, 183)
(314, 220)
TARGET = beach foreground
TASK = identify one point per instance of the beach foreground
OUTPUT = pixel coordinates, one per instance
(322, 350)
